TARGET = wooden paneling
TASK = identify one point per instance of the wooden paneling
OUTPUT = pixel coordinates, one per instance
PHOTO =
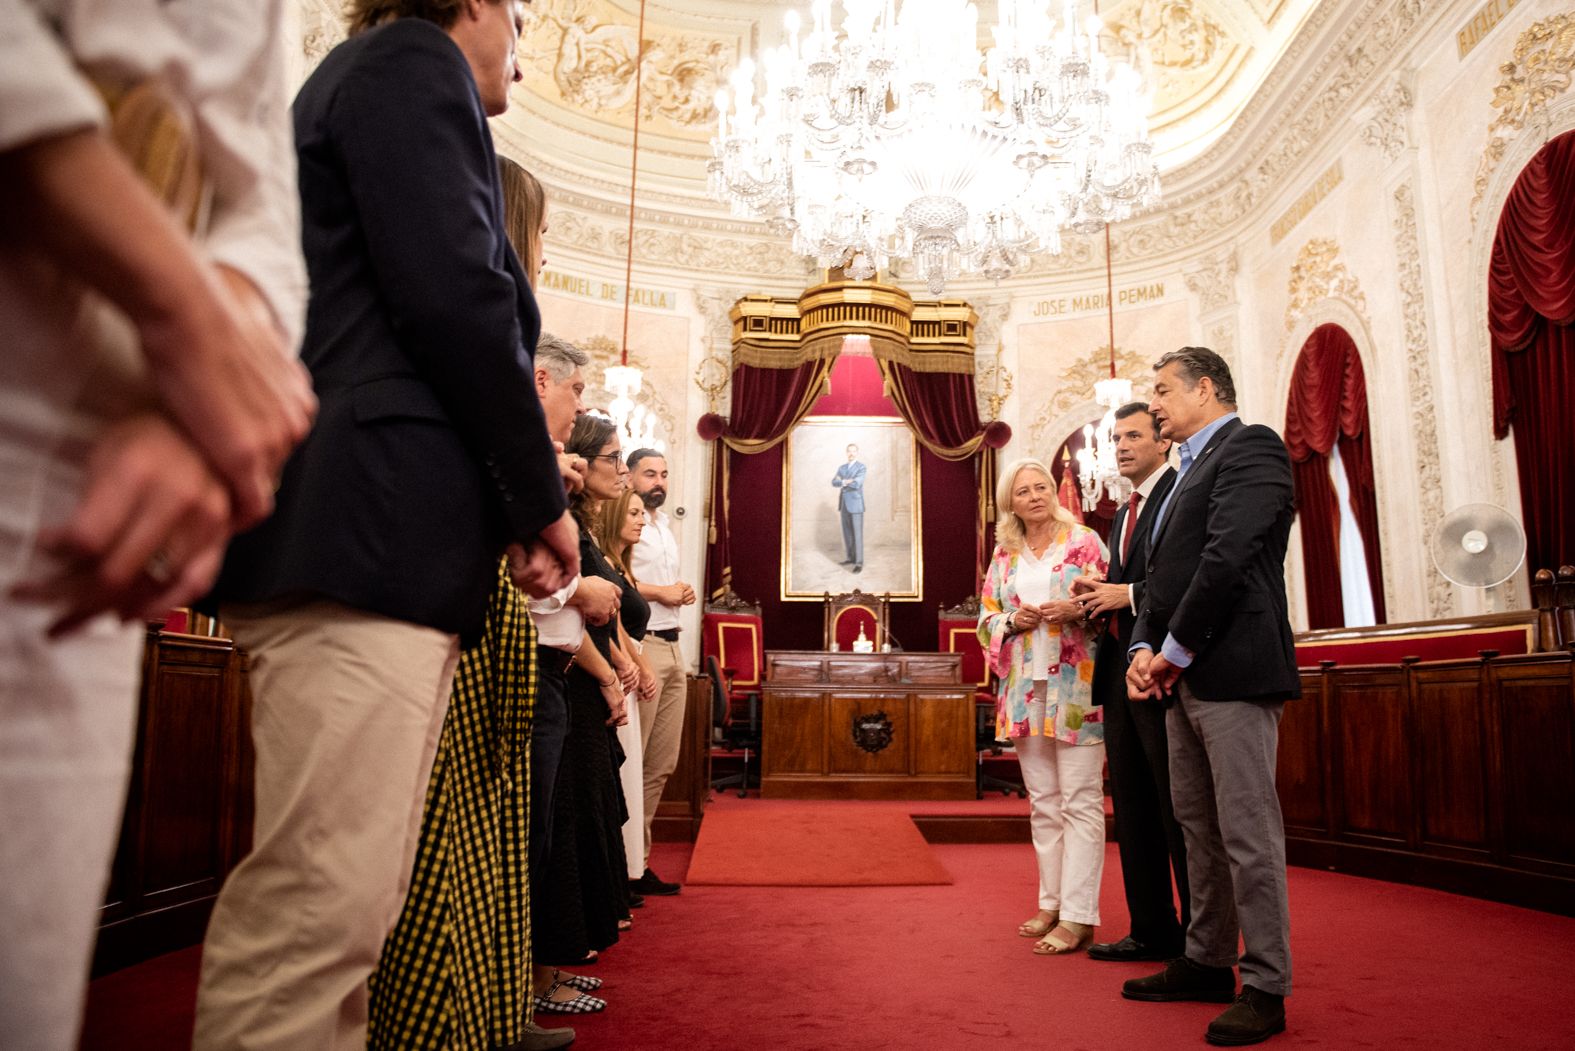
(844, 756)
(1368, 717)
(1450, 774)
(683, 800)
(1299, 772)
(1538, 729)
(188, 806)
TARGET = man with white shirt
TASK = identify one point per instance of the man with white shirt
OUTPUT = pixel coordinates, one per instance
(656, 574)
(1136, 746)
(150, 393)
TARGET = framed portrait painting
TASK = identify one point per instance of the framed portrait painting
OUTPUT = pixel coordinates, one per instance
(850, 490)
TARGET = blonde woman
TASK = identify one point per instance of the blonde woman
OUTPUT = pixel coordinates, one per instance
(1042, 650)
(618, 529)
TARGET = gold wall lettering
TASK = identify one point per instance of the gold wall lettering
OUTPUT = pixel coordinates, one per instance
(607, 291)
(1481, 24)
(1089, 301)
(1305, 203)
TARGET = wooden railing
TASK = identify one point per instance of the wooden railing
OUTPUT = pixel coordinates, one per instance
(1456, 774)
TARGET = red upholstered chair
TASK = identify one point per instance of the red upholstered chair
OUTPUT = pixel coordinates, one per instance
(730, 631)
(849, 614)
(959, 633)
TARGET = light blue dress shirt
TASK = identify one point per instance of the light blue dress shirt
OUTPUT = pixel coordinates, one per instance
(1190, 450)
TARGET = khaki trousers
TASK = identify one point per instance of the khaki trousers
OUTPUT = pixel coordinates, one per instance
(661, 724)
(347, 709)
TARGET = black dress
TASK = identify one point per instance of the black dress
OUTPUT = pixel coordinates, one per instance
(584, 892)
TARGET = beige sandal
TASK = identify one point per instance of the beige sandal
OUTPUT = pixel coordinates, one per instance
(1067, 938)
(1036, 928)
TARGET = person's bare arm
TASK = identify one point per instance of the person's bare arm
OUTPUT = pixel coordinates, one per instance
(220, 368)
(147, 534)
(595, 665)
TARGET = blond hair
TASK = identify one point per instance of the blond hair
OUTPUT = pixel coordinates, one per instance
(1009, 529)
(609, 533)
(524, 204)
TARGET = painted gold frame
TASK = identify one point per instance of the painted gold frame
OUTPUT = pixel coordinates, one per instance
(798, 590)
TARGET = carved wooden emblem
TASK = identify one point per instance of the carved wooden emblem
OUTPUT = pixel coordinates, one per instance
(872, 731)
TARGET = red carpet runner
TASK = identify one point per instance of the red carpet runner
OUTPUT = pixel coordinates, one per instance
(776, 844)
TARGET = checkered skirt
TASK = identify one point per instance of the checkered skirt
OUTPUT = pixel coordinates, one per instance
(455, 972)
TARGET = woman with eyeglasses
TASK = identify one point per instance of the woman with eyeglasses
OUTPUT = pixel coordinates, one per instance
(583, 892)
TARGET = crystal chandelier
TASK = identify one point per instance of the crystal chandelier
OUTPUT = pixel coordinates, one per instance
(894, 138)
(1096, 461)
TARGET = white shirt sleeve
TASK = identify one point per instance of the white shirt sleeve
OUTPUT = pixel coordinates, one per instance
(226, 59)
(41, 92)
(555, 602)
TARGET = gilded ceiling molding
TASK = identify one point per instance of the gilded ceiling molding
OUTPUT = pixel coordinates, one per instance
(1419, 376)
(1176, 34)
(1318, 275)
(1538, 71)
(1387, 127)
(1213, 281)
(679, 249)
(584, 52)
(1072, 404)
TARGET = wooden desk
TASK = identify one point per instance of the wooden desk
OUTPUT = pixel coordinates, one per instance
(866, 726)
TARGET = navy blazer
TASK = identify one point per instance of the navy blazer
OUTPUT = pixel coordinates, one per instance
(1216, 569)
(430, 450)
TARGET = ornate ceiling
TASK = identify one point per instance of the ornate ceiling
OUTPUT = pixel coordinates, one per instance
(1244, 91)
(1204, 61)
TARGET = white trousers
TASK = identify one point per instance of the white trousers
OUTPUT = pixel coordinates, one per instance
(632, 776)
(346, 712)
(1067, 820)
(67, 716)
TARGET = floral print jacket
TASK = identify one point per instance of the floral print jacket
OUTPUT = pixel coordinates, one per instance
(1070, 713)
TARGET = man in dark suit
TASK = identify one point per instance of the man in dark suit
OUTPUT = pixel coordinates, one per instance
(430, 456)
(1213, 641)
(1136, 748)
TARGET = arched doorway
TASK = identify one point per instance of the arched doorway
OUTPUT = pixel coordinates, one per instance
(1531, 317)
(1327, 434)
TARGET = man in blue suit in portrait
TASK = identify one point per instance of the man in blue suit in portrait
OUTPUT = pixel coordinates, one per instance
(850, 502)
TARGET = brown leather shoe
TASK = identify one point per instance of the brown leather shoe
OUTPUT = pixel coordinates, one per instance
(1184, 980)
(1252, 1019)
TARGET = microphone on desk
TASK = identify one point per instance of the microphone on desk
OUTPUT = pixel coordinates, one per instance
(891, 641)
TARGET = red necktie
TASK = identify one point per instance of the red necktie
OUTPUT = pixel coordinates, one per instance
(1131, 526)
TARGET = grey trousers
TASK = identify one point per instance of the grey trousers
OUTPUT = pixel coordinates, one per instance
(1222, 756)
(853, 536)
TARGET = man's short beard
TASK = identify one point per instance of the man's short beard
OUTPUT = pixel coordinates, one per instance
(653, 497)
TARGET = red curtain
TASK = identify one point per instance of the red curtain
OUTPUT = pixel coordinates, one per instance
(939, 406)
(767, 402)
(1328, 406)
(1531, 315)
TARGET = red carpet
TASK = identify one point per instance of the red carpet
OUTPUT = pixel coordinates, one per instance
(781, 844)
(1378, 966)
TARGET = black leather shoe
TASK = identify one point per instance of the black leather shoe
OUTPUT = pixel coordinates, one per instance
(538, 1039)
(1184, 980)
(1252, 1019)
(636, 899)
(650, 883)
(1129, 949)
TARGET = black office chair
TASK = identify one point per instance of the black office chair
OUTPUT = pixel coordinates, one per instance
(984, 741)
(733, 733)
